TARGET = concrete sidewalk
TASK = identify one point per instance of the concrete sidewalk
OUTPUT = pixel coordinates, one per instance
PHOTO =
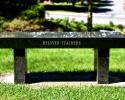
(97, 18)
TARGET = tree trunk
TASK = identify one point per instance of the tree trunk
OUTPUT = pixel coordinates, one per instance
(90, 26)
(73, 2)
(82, 2)
(89, 15)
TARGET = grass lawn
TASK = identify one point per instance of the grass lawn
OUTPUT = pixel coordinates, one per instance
(51, 60)
(69, 60)
(20, 92)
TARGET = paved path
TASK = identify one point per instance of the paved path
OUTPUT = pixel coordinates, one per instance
(116, 15)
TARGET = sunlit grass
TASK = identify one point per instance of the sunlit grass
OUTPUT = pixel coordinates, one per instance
(60, 60)
(50, 60)
(20, 92)
(117, 62)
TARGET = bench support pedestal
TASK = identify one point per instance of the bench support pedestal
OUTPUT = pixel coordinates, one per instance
(19, 66)
(103, 66)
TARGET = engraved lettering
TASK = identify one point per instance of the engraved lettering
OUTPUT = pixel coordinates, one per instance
(61, 43)
(49, 43)
(71, 43)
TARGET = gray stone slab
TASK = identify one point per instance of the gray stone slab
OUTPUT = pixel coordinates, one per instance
(110, 34)
(19, 66)
(103, 66)
(62, 40)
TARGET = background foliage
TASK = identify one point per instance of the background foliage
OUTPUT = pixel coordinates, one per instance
(11, 8)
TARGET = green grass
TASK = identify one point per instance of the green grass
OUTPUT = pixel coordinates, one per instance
(117, 60)
(20, 92)
(50, 60)
(59, 60)
(6, 60)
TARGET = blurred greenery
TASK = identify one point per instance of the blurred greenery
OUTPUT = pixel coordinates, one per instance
(68, 25)
(3, 23)
(24, 23)
(11, 8)
(26, 20)
(21, 15)
(33, 12)
(98, 27)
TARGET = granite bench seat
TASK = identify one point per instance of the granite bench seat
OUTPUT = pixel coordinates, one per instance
(100, 41)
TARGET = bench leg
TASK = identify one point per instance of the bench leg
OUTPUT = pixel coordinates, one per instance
(103, 66)
(19, 66)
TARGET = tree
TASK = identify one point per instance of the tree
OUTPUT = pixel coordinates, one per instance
(90, 26)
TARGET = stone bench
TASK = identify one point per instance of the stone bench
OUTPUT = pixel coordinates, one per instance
(101, 42)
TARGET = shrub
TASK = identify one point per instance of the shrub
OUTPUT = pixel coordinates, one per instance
(2, 20)
(69, 25)
(111, 24)
(64, 25)
(99, 27)
(23, 25)
(120, 27)
(78, 26)
(34, 12)
(3, 23)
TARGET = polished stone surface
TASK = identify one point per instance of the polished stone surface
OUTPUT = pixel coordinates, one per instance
(20, 68)
(111, 34)
(62, 40)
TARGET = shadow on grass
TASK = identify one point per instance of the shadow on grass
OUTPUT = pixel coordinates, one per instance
(115, 77)
(35, 77)
(75, 9)
(98, 7)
